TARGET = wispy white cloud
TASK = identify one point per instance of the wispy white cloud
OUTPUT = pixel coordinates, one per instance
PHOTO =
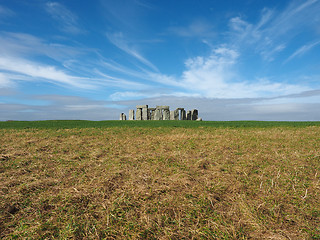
(115, 67)
(16, 65)
(269, 54)
(37, 72)
(19, 63)
(119, 41)
(198, 28)
(302, 50)
(214, 76)
(67, 20)
(274, 30)
(127, 15)
(5, 81)
(134, 95)
(109, 80)
(5, 12)
(26, 45)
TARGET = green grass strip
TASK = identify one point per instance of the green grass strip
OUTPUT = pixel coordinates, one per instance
(69, 124)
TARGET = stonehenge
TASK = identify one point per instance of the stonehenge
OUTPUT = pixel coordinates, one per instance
(143, 112)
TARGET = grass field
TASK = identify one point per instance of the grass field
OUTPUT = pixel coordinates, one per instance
(159, 180)
(69, 124)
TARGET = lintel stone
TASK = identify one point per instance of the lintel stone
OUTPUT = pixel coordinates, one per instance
(163, 107)
(142, 106)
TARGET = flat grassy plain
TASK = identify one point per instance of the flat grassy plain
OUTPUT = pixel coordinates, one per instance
(159, 180)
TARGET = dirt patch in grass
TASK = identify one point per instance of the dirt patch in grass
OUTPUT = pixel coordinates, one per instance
(160, 183)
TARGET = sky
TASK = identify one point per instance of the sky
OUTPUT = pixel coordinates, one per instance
(92, 60)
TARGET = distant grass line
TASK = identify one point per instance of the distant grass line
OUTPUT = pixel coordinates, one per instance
(70, 124)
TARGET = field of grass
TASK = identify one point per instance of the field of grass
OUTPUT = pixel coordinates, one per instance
(69, 124)
(159, 180)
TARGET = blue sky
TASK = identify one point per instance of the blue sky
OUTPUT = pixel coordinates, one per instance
(232, 60)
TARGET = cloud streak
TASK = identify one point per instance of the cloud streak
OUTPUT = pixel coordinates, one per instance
(198, 28)
(15, 66)
(5, 12)
(120, 42)
(302, 50)
(68, 21)
(273, 32)
(37, 71)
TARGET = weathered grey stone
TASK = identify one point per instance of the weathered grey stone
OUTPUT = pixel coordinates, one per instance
(176, 114)
(163, 107)
(139, 114)
(194, 114)
(183, 115)
(158, 114)
(166, 114)
(131, 114)
(171, 115)
(188, 115)
(142, 106)
(199, 119)
(123, 117)
(145, 113)
(149, 114)
(180, 108)
(152, 114)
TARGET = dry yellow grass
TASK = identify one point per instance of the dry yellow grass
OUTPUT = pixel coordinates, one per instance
(160, 183)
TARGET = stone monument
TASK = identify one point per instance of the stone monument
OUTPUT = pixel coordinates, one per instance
(123, 117)
(143, 112)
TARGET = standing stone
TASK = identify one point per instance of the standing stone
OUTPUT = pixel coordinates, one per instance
(131, 114)
(149, 114)
(176, 114)
(183, 115)
(157, 114)
(139, 114)
(145, 113)
(166, 114)
(194, 114)
(188, 115)
(152, 113)
(171, 115)
(123, 117)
